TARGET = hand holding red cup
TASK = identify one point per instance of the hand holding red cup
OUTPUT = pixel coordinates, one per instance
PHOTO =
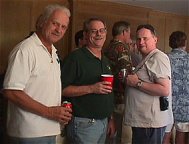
(108, 78)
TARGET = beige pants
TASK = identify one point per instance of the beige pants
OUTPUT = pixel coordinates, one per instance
(126, 137)
(126, 132)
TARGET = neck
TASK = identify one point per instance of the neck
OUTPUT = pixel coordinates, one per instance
(96, 52)
(45, 43)
(146, 54)
(119, 38)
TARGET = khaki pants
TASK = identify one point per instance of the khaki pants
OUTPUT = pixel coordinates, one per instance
(124, 132)
(126, 137)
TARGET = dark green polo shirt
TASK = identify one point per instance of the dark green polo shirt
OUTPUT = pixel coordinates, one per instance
(83, 68)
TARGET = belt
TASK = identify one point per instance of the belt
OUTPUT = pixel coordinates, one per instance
(92, 121)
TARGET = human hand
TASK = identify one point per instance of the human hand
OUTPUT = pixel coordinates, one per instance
(132, 80)
(61, 114)
(111, 128)
(101, 87)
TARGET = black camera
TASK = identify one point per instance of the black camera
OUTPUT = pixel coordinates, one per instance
(164, 103)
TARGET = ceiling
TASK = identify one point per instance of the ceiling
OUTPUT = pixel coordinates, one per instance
(180, 7)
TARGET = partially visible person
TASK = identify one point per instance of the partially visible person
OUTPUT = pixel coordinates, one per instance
(32, 82)
(148, 96)
(1, 81)
(135, 54)
(179, 59)
(119, 55)
(92, 98)
(79, 39)
(169, 136)
(3, 104)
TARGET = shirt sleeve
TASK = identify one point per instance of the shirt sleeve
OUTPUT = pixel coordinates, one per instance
(159, 66)
(19, 69)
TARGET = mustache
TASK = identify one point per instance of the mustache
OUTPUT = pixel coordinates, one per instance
(57, 33)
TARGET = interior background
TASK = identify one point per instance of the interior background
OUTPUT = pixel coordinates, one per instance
(17, 20)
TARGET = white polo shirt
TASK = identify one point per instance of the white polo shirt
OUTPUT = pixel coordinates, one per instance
(32, 69)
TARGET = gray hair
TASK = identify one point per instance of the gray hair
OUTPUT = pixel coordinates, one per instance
(48, 12)
(86, 23)
(119, 27)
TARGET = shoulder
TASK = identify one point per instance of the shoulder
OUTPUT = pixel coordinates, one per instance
(160, 56)
(159, 61)
(116, 45)
(74, 56)
(30, 43)
(24, 47)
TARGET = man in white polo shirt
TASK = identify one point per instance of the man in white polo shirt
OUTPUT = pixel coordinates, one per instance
(32, 82)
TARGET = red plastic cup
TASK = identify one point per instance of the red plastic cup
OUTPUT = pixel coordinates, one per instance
(108, 78)
(67, 104)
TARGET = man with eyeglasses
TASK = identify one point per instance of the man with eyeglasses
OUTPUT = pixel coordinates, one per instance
(92, 99)
(148, 97)
(119, 55)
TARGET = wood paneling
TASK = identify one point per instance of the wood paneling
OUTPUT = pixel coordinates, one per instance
(174, 23)
(157, 19)
(110, 12)
(17, 20)
(165, 24)
(15, 23)
(18, 17)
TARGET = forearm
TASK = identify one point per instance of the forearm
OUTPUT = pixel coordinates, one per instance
(154, 89)
(72, 91)
(25, 102)
(161, 87)
(22, 100)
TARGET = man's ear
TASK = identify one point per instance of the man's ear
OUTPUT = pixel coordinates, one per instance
(155, 39)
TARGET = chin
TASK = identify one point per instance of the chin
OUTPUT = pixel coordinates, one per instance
(55, 40)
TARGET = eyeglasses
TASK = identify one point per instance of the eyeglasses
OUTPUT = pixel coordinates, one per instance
(95, 31)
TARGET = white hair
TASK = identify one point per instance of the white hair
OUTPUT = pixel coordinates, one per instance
(48, 12)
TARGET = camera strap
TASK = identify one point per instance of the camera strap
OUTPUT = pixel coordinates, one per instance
(144, 60)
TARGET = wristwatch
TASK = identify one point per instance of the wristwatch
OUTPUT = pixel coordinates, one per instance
(139, 84)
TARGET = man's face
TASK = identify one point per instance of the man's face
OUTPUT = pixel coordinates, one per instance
(146, 41)
(96, 34)
(55, 27)
(82, 42)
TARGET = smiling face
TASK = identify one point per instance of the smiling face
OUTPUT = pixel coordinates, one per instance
(96, 34)
(146, 41)
(55, 27)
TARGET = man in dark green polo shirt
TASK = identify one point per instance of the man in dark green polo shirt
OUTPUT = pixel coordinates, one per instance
(92, 99)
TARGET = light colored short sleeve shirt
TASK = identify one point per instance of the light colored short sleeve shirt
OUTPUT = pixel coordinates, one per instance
(142, 109)
(32, 69)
